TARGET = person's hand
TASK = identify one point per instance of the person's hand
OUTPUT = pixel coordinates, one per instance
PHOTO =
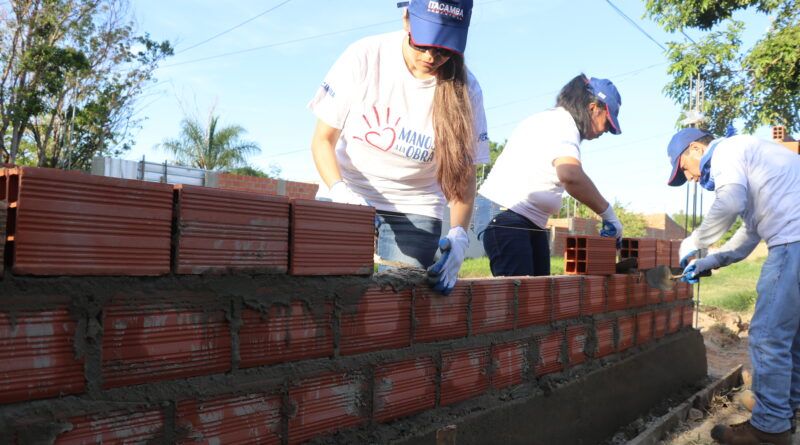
(697, 268)
(340, 192)
(612, 227)
(690, 273)
(443, 274)
(688, 250)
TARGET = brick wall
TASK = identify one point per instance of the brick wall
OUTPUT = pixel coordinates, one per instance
(267, 186)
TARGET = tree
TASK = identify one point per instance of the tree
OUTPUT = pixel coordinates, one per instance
(633, 224)
(210, 146)
(760, 85)
(274, 171)
(72, 71)
(494, 152)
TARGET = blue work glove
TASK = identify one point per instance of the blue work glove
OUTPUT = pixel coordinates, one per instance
(690, 273)
(612, 227)
(688, 250)
(697, 268)
(443, 274)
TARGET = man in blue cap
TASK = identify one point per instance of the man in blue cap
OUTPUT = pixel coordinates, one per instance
(759, 181)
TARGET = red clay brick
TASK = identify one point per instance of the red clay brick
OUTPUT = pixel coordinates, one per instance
(576, 344)
(464, 374)
(674, 255)
(644, 327)
(534, 305)
(660, 323)
(438, 317)
(404, 388)
(250, 419)
(663, 249)
(492, 305)
(626, 326)
(509, 364)
(144, 344)
(687, 316)
(324, 404)
(674, 319)
(381, 320)
(653, 295)
(594, 295)
(605, 338)
(37, 359)
(643, 249)
(618, 286)
(566, 297)
(550, 359)
(285, 334)
(637, 293)
(685, 291)
(670, 295)
(590, 254)
(116, 427)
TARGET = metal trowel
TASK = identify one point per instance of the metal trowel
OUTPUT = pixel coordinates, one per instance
(661, 277)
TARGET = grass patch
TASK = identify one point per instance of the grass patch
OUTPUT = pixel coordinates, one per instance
(479, 267)
(733, 287)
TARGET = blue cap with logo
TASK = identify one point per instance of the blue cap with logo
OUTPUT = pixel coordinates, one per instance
(441, 24)
(677, 145)
(605, 90)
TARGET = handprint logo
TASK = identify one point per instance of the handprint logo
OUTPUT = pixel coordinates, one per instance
(380, 138)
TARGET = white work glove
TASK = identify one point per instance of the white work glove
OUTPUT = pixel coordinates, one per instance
(612, 227)
(688, 249)
(340, 192)
(443, 274)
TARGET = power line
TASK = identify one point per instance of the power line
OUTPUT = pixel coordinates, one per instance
(234, 27)
(287, 42)
(632, 22)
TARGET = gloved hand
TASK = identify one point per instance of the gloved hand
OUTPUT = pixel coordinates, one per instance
(688, 249)
(690, 273)
(694, 270)
(612, 227)
(340, 192)
(443, 274)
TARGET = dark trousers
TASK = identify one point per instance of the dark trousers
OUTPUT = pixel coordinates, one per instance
(516, 246)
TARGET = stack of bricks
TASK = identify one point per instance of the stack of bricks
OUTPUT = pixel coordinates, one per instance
(780, 136)
(132, 343)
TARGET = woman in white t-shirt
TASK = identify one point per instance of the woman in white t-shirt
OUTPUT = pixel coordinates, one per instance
(540, 160)
(400, 127)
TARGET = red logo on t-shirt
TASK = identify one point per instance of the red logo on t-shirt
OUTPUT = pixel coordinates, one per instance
(380, 136)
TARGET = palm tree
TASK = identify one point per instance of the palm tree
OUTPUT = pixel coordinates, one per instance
(210, 147)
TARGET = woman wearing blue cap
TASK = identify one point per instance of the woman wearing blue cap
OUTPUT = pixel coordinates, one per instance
(542, 159)
(400, 127)
(759, 181)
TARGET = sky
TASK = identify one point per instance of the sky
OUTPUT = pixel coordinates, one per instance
(262, 74)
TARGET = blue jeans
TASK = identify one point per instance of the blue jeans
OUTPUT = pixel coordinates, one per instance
(410, 239)
(516, 246)
(775, 340)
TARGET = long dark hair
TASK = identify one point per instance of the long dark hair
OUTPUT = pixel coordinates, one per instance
(453, 128)
(575, 97)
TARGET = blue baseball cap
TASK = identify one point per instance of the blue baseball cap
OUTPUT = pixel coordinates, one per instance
(677, 145)
(441, 24)
(605, 90)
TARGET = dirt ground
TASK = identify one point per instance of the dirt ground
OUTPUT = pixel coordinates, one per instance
(725, 336)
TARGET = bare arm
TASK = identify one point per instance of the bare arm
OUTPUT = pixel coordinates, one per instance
(578, 184)
(323, 144)
(461, 211)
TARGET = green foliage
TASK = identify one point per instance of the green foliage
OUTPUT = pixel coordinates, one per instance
(681, 219)
(732, 287)
(494, 152)
(760, 85)
(479, 267)
(727, 236)
(71, 73)
(210, 146)
(633, 224)
(274, 171)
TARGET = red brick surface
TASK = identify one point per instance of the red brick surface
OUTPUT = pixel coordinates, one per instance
(592, 255)
(509, 364)
(663, 252)
(266, 186)
(285, 334)
(576, 344)
(534, 302)
(644, 327)
(227, 231)
(687, 316)
(323, 405)
(331, 239)
(638, 293)
(146, 344)
(566, 297)
(249, 419)
(605, 338)
(37, 359)
(618, 286)
(116, 427)
(653, 295)
(71, 223)
(404, 388)
(438, 317)
(643, 249)
(492, 305)
(626, 326)
(381, 320)
(464, 374)
(550, 353)
(674, 323)
(594, 295)
(660, 323)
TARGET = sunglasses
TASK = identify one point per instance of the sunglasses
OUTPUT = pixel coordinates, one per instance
(435, 51)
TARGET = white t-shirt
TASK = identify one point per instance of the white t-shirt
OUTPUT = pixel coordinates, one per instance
(385, 151)
(523, 178)
(771, 175)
